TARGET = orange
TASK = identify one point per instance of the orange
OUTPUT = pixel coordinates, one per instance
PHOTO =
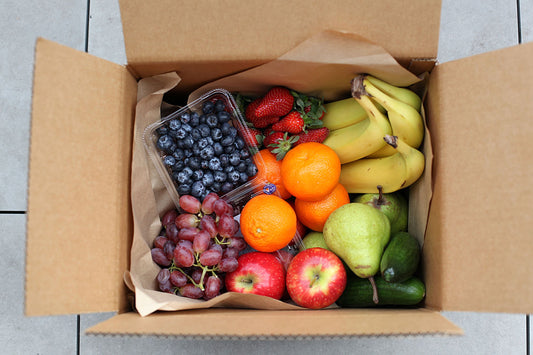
(310, 171)
(269, 170)
(268, 223)
(314, 214)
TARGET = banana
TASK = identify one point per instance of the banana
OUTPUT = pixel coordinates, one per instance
(405, 121)
(363, 138)
(392, 173)
(342, 113)
(399, 93)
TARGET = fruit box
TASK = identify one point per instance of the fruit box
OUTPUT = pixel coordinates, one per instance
(476, 254)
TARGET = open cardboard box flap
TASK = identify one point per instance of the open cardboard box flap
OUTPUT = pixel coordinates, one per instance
(189, 36)
(478, 250)
(476, 253)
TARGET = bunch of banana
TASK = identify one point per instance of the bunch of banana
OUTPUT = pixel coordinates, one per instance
(379, 146)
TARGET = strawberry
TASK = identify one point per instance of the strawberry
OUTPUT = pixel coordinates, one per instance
(279, 143)
(258, 122)
(277, 101)
(313, 135)
(311, 108)
(292, 123)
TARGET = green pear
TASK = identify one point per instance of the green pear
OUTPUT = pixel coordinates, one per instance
(313, 240)
(394, 205)
(358, 234)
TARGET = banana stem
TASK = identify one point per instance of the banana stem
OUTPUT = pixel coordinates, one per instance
(358, 88)
(391, 140)
(375, 296)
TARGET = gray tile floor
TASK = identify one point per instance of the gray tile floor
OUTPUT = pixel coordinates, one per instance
(468, 27)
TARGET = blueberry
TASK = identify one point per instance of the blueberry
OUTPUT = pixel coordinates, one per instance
(211, 120)
(169, 160)
(225, 128)
(174, 124)
(208, 107)
(187, 127)
(223, 117)
(244, 153)
(216, 134)
(210, 140)
(203, 142)
(198, 174)
(219, 149)
(172, 148)
(241, 168)
(251, 170)
(229, 149)
(220, 176)
(214, 164)
(228, 169)
(187, 170)
(202, 119)
(227, 141)
(243, 177)
(162, 130)
(188, 142)
(235, 158)
(184, 189)
(224, 159)
(178, 154)
(239, 142)
(178, 166)
(204, 164)
(220, 105)
(197, 189)
(188, 153)
(195, 133)
(248, 161)
(233, 132)
(207, 153)
(216, 186)
(196, 150)
(185, 117)
(165, 142)
(195, 119)
(183, 177)
(208, 179)
(179, 143)
(181, 133)
(205, 131)
(234, 176)
(226, 187)
(194, 163)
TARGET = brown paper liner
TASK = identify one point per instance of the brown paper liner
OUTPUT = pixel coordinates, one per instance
(323, 66)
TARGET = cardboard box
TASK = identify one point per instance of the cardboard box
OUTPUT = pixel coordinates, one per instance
(477, 254)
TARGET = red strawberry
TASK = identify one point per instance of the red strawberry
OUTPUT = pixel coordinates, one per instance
(277, 101)
(279, 143)
(292, 123)
(258, 122)
(313, 135)
(252, 137)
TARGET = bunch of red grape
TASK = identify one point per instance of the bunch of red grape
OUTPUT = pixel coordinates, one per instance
(196, 246)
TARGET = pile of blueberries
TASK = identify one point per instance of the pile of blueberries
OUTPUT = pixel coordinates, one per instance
(204, 151)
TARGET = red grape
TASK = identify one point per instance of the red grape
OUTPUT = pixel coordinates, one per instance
(237, 243)
(225, 225)
(166, 287)
(178, 278)
(187, 220)
(210, 257)
(186, 244)
(190, 204)
(196, 274)
(163, 276)
(191, 291)
(212, 287)
(201, 241)
(188, 233)
(159, 257)
(230, 253)
(169, 217)
(209, 200)
(208, 224)
(183, 256)
(228, 264)
(159, 241)
(172, 232)
(220, 207)
(169, 249)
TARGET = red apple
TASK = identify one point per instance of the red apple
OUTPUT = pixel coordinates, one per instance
(316, 278)
(258, 273)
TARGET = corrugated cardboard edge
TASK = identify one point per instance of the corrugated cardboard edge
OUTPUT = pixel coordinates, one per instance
(245, 323)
